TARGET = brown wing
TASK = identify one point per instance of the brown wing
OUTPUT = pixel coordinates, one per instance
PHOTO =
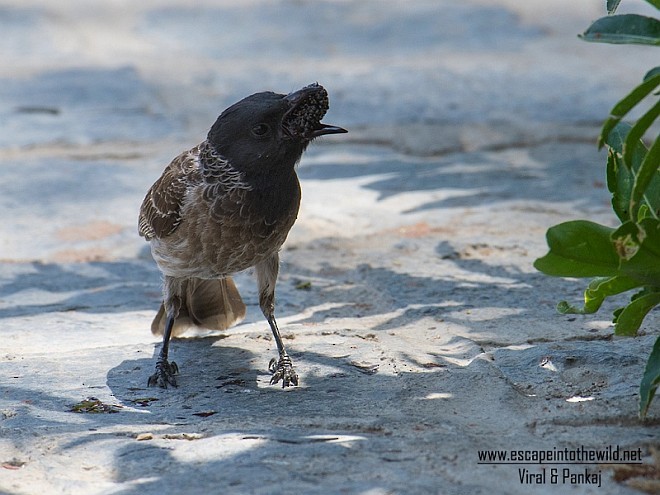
(160, 213)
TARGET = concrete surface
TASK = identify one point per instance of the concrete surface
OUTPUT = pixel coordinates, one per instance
(420, 330)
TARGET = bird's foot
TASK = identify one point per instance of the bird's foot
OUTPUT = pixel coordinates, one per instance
(283, 370)
(165, 374)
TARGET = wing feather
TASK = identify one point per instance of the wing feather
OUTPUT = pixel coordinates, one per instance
(160, 213)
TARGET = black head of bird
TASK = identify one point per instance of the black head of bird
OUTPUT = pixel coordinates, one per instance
(267, 132)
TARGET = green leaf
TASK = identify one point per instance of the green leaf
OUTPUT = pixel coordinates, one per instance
(647, 179)
(612, 6)
(579, 249)
(654, 71)
(625, 28)
(638, 130)
(626, 104)
(644, 212)
(629, 320)
(638, 246)
(616, 137)
(635, 96)
(650, 380)
(597, 291)
(620, 182)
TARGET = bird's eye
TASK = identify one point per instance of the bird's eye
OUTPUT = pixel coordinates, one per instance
(260, 129)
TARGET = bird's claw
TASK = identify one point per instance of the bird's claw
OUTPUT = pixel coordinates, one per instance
(165, 374)
(283, 370)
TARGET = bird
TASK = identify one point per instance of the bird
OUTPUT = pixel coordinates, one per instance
(227, 205)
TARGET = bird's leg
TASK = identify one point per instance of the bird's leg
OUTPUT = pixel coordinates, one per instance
(165, 371)
(281, 368)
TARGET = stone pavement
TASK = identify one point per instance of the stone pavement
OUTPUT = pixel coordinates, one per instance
(419, 328)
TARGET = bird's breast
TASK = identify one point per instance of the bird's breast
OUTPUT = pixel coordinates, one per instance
(228, 230)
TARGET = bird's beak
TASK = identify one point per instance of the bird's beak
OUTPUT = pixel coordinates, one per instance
(314, 102)
(327, 129)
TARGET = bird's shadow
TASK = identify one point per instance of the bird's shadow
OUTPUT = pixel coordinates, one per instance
(205, 366)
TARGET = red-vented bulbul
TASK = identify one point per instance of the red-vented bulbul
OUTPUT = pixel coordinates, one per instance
(227, 205)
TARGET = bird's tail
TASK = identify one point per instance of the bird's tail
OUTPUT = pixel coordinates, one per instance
(209, 304)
